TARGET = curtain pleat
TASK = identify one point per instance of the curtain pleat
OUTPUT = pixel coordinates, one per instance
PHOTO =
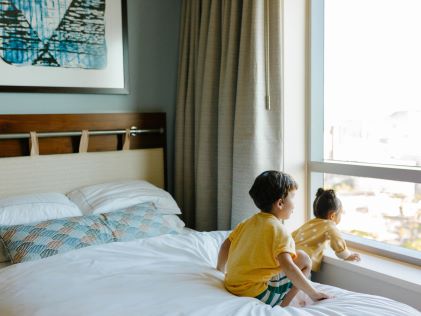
(230, 48)
(185, 114)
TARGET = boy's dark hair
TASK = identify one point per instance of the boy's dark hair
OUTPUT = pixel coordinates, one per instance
(270, 186)
(324, 202)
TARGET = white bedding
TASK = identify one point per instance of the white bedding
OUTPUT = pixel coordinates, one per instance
(165, 275)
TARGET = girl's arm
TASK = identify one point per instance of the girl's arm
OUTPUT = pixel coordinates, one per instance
(223, 255)
(339, 246)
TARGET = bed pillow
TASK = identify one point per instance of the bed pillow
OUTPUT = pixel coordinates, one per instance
(29, 208)
(174, 221)
(34, 241)
(117, 195)
(38, 240)
(37, 207)
(140, 221)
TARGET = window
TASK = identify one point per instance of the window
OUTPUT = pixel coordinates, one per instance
(365, 114)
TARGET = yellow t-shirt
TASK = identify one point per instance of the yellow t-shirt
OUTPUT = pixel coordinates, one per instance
(252, 258)
(312, 238)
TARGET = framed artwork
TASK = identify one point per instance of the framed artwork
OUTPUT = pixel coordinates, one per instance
(63, 46)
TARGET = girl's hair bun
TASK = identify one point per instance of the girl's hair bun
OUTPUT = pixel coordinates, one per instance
(320, 191)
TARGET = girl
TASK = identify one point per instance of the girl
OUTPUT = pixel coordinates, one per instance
(313, 235)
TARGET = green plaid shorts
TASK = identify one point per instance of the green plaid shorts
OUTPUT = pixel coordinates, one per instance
(278, 286)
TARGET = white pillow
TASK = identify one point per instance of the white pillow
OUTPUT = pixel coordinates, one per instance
(37, 207)
(111, 196)
(174, 221)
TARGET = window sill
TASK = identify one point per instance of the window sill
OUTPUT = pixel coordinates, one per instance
(373, 247)
(385, 269)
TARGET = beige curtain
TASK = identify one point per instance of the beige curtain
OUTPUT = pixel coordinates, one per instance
(225, 135)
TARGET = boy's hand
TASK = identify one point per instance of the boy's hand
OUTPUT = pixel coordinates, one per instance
(318, 296)
(353, 257)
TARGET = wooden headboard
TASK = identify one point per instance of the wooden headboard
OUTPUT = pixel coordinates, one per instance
(59, 157)
(10, 124)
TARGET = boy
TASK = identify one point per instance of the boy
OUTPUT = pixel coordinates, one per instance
(259, 254)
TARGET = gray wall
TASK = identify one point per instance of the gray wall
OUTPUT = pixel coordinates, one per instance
(153, 57)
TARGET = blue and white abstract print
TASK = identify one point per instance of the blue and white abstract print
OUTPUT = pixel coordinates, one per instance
(53, 33)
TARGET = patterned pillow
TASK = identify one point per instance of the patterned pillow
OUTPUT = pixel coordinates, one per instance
(138, 221)
(33, 241)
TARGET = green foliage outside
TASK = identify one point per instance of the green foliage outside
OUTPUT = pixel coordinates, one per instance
(413, 244)
(363, 234)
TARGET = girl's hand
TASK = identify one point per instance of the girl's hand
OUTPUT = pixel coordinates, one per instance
(354, 257)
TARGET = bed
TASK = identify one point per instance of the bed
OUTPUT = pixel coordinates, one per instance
(167, 270)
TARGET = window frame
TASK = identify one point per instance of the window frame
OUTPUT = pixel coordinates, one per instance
(317, 166)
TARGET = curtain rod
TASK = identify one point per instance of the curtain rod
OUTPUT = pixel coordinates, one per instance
(133, 132)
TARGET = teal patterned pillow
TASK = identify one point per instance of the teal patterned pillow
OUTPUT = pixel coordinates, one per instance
(33, 241)
(139, 221)
(28, 242)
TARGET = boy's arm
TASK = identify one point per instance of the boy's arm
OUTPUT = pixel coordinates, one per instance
(297, 277)
(223, 255)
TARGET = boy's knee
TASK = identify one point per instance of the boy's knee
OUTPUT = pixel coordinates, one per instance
(302, 260)
(302, 255)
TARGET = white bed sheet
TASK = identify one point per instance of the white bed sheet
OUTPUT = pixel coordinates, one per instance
(165, 275)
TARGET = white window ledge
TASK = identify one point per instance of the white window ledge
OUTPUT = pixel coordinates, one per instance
(385, 269)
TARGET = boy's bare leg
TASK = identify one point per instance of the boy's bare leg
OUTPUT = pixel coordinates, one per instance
(303, 261)
(289, 296)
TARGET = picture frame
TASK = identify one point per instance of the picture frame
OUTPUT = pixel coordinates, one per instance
(68, 46)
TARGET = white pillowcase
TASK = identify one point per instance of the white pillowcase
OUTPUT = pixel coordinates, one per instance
(36, 207)
(111, 196)
(174, 221)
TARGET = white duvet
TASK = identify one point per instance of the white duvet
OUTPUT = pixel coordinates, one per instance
(165, 275)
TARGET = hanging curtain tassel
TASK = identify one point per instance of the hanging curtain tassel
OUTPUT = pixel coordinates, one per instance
(126, 143)
(33, 144)
(84, 141)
